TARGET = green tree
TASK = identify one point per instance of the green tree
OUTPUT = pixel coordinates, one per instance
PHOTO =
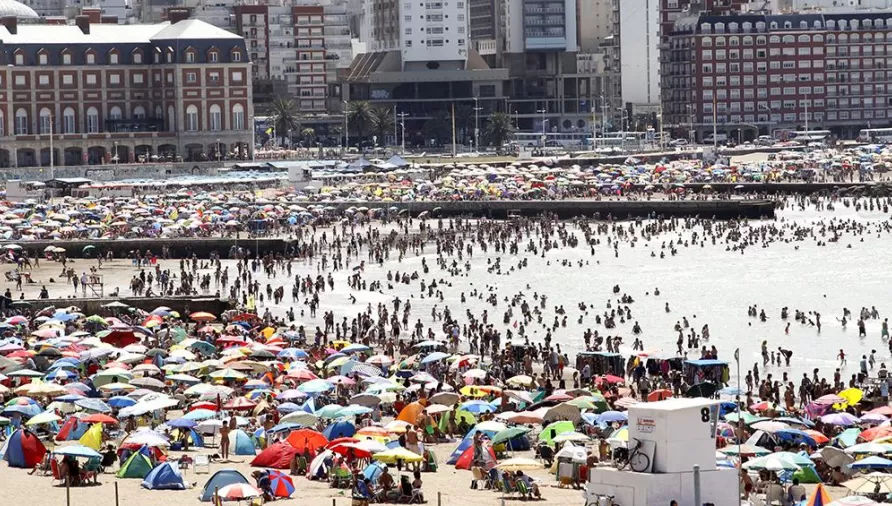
(308, 135)
(359, 114)
(498, 129)
(284, 116)
(438, 127)
(381, 120)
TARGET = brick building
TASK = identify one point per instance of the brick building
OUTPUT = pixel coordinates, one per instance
(753, 74)
(175, 89)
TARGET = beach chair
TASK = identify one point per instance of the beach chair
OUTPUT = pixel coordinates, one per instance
(201, 464)
(57, 475)
(341, 478)
(522, 489)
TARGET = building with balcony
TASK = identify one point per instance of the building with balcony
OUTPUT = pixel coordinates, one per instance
(752, 74)
(108, 92)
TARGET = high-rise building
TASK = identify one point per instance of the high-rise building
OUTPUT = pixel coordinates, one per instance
(101, 92)
(753, 74)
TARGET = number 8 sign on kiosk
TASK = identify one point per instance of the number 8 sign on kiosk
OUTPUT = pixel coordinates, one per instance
(682, 432)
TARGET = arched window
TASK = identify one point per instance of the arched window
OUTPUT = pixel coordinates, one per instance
(68, 121)
(818, 38)
(171, 119)
(158, 113)
(789, 39)
(139, 112)
(92, 120)
(21, 122)
(706, 41)
(46, 123)
(238, 117)
(804, 38)
(215, 118)
(775, 39)
(115, 113)
(192, 119)
(855, 38)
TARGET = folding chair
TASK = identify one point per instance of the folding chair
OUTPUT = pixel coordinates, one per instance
(201, 462)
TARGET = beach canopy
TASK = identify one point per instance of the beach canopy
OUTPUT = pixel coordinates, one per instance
(339, 429)
(467, 458)
(220, 479)
(240, 443)
(137, 466)
(166, 476)
(820, 497)
(276, 456)
(23, 449)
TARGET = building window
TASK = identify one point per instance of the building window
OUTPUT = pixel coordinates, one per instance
(236, 56)
(2, 124)
(91, 79)
(19, 59)
(91, 58)
(137, 57)
(237, 77)
(114, 78)
(46, 126)
(214, 77)
(113, 59)
(43, 80)
(192, 119)
(20, 80)
(67, 79)
(115, 113)
(190, 57)
(190, 77)
(215, 118)
(21, 122)
(138, 78)
(238, 117)
(66, 59)
(139, 112)
(68, 121)
(42, 59)
(92, 120)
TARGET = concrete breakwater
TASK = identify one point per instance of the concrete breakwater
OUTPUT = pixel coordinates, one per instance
(90, 306)
(618, 209)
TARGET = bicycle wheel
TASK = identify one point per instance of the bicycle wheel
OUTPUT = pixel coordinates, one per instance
(639, 462)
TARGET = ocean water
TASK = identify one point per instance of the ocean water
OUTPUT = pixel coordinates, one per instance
(708, 285)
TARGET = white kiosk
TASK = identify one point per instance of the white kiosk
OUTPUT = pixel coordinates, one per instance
(675, 434)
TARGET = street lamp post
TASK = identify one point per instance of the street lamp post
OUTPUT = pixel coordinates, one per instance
(116, 153)
(623, 126)
(52, 164)
(346, 137)
(691, 139)
(218, 150)
(476, 125)
(544, 135)
(402, 116)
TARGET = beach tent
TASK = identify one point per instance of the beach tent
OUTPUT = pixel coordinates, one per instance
(409, 414)
(72, 429)
(220, 479)
(467, 458)
(276, 456)
(166, 476)
(241, 443)
(398, 161)
(807, 474)
(466, 443)
(23, 449)
(92, 438)
(137, 466)
(195, 439)
(339, 429)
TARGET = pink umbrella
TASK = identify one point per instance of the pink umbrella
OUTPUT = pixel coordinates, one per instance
(340, 380)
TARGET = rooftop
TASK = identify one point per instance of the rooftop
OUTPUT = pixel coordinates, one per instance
(190, 29)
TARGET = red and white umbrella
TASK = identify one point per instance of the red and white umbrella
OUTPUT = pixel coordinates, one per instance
(238, 491)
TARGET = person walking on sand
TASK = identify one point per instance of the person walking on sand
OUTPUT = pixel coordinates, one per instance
(842, 358)
(224, 441)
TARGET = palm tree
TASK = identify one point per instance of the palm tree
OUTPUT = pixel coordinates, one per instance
(308, 134)
(437, 127)
(498, 129)
(284, 116)
(464, 121)
(381, 120)
(359, 114)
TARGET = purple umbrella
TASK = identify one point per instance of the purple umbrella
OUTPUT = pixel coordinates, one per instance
(843, 419)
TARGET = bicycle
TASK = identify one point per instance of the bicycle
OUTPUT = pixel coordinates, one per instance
(637, 460)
